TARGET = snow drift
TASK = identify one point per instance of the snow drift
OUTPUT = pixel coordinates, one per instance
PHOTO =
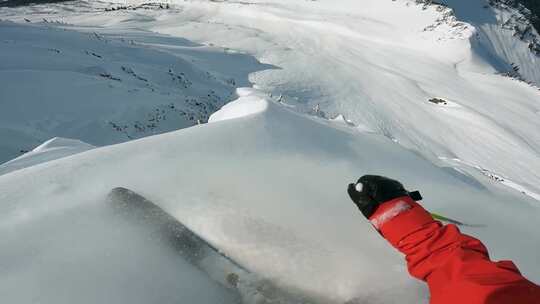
(250, 102)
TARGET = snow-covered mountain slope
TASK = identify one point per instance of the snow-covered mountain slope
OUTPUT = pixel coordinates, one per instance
(105, 89)
(52, 149)
(504, 36)
(379, 63)
(411, 92)
(267, 188)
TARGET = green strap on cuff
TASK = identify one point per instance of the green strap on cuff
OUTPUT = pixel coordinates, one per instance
(446, 219)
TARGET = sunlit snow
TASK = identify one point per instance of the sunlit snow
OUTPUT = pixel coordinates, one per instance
(323, 93)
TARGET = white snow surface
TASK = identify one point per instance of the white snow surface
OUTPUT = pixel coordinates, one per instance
(106, 88)
(497, 44)
(268, 189)
(378, 63)
(264, 182)
(52, 149)
(250, 102)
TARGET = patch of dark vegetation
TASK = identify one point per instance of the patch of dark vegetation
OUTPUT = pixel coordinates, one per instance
(191, 110)
(438, 101)
(132, 73)
(180, 78)
(430, 2)
(109, 76)
(523, 21)
(93, 54)
(447, 15)
(148, 6)
(523, 18)
(15, 3)
(514, 73)
(534, 7)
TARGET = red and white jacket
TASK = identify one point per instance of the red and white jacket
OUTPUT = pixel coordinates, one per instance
(456, 266)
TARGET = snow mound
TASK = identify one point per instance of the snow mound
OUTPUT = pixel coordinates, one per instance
(59, 143)
(52, 149)
(341, 119)
(250, 102)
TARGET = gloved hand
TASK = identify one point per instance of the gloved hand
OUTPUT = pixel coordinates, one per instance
(372, 190)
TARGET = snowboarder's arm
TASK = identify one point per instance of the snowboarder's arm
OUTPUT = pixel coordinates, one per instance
(455, 266)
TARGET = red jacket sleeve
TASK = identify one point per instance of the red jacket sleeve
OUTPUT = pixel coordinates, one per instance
(456, 266)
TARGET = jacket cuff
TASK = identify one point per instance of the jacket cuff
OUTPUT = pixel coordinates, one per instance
(399, 217)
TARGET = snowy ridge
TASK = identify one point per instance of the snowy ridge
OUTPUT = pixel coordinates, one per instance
(58, 143)
(52, 149)
(249, 102)
(417, 94)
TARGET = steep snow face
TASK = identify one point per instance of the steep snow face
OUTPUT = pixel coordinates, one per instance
(503, 37)
(52, 149)
(104, 88)
(378, 63)
(267, 188)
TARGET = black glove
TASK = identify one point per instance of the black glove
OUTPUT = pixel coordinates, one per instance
(375, 191)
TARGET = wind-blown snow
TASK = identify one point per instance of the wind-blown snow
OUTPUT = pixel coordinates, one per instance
(263, 182)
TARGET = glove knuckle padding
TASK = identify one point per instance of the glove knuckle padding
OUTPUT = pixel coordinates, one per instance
(375, 191)
(381, 188)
